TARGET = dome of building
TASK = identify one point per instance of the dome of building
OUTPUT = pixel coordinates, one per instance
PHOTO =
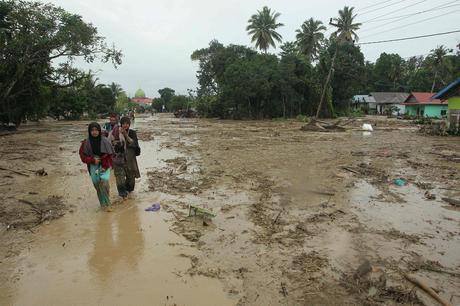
(139, 93)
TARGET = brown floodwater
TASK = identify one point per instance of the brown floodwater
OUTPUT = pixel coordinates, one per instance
(127, 257)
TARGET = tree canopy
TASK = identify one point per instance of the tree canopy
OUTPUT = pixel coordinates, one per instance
(38, 46)
(262, 28)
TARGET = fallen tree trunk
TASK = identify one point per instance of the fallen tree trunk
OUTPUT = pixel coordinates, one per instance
(427, 289)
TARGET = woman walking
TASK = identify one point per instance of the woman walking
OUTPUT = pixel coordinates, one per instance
(96, 152)
(126, 147)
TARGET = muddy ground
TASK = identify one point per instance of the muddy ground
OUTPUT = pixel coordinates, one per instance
(302, 218)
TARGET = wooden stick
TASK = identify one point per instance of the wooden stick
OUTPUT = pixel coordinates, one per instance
(276, 219)
(427, 289)
(327, 193)
(13, 171)
(441, 271)
(350, 169)
(452, 202)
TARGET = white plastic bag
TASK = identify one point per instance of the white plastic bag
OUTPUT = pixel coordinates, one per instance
(367, 127)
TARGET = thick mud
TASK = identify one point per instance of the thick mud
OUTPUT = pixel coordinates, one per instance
(301, 218)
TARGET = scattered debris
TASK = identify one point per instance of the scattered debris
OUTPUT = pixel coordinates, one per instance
(37, 212)
(154, 207)
(41, 172)
(315, 125)
(199, 211)
(400, 182)
(452, 202)
(185, 113)
(427, 289)
(326, 193)
(14, 171)
(283, 289)
(429, 195)
(367, 127)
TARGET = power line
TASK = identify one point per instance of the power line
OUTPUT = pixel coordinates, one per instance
(407, 38)
(403, 17)
(409, 24)
(398, 10)
(375, 4)
(377, 9)
(437, 8)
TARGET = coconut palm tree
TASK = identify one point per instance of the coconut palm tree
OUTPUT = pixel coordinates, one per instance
(437, 57)
(346, 29)
(345, 33)
(262, 28)
(309, 38)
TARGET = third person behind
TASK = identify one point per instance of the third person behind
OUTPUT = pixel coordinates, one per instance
(126, 147)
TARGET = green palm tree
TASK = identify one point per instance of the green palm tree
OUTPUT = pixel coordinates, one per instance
(437, 57)
(116, 89)
(345, 33)
(346, 29)
(262, 27)
(309, 38)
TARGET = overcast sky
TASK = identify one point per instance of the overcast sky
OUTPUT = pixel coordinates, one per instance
(157, 37)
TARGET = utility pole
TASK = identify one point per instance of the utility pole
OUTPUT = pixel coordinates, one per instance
(323, 93)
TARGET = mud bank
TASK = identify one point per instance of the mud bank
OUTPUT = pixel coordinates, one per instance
(299, 212)
(302, 218)
(89, 257)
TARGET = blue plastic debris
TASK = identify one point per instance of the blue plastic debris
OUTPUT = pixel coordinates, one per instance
(154, 207)
(400, 182)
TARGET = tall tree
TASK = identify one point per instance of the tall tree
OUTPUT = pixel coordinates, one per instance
(345, 33)
(166, 96)
(309, 38)
(437, 57)
(262, 28)
(289, 48)
(37, 36)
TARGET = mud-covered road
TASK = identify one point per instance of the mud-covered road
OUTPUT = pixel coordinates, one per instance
(302, 218)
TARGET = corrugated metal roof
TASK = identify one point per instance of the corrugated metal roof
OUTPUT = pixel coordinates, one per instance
(390, 97)
(423, 98)
(448, 91)
(363, 99)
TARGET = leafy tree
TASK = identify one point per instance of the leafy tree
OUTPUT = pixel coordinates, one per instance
(179, 102)
(388, 72)
(309, 38)
(166, 96)
(122, 102)
(437, 59)
(289, 48)
(33, 36)
(345, 33)
(262, 28)
(206, 74)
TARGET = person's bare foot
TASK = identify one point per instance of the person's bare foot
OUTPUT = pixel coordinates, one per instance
(108, 209)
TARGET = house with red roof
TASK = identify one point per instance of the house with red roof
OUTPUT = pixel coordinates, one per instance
(140, 99)
(420, 104)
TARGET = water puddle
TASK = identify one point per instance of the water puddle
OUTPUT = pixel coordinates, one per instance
(427, 219)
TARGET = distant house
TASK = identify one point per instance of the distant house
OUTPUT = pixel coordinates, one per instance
(385, 100)
(420, 104)
(452, 93)
(366, 103)
(140, 99)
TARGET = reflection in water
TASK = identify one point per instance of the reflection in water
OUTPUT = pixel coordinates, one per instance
(118, 240)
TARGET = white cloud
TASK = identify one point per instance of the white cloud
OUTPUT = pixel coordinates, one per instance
(157, 37)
